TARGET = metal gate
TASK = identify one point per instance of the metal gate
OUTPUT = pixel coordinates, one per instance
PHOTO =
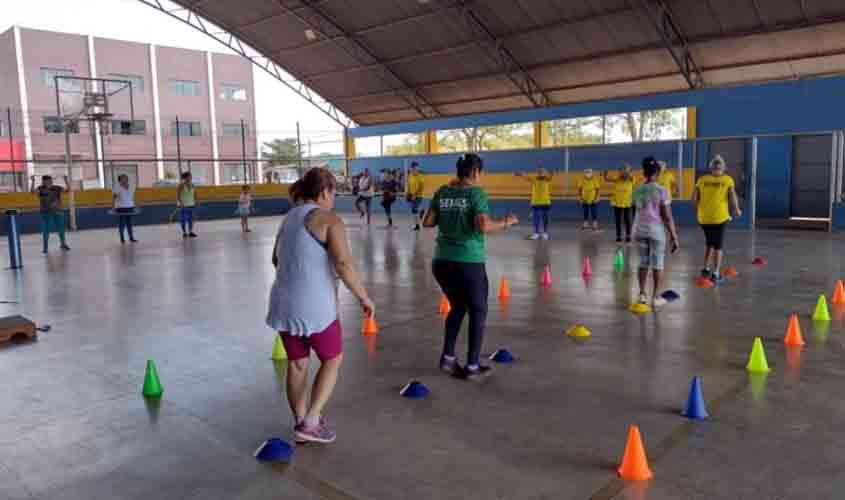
(811, 171)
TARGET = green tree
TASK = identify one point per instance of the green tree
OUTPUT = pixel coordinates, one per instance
(642, 126)
(576, 131)
(280, 152)
(411, 144)
(512, 136)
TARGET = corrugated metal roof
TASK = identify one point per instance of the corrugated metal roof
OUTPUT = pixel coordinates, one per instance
(383, 61)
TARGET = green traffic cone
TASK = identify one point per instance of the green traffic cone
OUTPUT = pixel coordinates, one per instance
(821, 313)
(757, 361)
(619, 261)
(279, 353)
(152, 385)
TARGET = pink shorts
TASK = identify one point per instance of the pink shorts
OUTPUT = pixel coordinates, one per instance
(327, 344)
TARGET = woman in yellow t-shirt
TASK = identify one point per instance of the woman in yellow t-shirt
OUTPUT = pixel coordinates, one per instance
(588, 194)
(666, 178)
(713, 194)
(541, 201)
(623, 190)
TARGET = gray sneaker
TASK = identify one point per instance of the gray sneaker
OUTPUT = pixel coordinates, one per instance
(318, 434)
(450, 366)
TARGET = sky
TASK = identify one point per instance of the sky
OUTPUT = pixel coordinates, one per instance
(277, 108)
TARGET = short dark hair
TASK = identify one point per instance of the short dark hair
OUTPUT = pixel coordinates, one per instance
(46, 178)
(185, 175)
(650, 166)
(467, 163)
(414, 164)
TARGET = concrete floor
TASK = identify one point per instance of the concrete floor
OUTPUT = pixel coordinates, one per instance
(74, 426)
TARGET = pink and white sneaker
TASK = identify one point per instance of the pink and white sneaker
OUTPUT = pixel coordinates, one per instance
(318, 434)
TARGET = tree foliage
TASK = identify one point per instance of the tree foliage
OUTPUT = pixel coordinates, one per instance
(279, 152)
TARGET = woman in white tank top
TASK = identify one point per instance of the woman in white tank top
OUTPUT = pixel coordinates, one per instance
(310, 254)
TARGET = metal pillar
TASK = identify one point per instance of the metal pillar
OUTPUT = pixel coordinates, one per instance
(833, 173)
(680, 170)
(566, 172)
(179, 147)
(243, 151)
(752, 197)
(12, 149)
(69, 163)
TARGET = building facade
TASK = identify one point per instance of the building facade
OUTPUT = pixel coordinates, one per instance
(189, 110)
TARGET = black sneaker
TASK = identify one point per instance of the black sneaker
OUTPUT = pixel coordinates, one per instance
(450, 366)
(192, 235)
(628, 239)
(133, 240)
(476, 373)
(716, 278)
(618, 240)
(65, 248)
(184, 235)
(705, 273)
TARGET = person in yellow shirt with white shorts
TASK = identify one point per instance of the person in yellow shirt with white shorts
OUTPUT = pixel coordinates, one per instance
(541, 201)
(622, 201)
(588, 194)
(713, 194)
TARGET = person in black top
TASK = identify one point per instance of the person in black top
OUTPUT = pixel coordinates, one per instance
(389, 188)
(52, 214)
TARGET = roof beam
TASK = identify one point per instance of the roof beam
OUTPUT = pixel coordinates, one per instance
(660, 15)
(189, 17)
(357, 49)
(463, 46)
(496, 50)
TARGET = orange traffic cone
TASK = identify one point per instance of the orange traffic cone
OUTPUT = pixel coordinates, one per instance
(838, 294)
(634, 462)
(588, 269)
(445, 307)
(546, 279)
(730, 272)
(504, 289)
(793, 332)
(370, 327)
(703, 282)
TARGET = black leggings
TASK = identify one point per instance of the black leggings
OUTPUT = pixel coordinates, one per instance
(590, 211)
(466, 287)
(623, 213)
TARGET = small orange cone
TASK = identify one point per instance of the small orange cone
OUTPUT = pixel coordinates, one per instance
(793, 332)
(730, 272)
(370, 327)
(588, 269)
(703, 282)
(445, 307)
(504, 289)
(546, 279)
(838, 294)
(634, 462)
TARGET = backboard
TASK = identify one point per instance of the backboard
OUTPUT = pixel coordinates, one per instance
(93, 99)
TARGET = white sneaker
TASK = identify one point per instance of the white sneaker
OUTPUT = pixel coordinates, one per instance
(534, 236)
(658, 302)
(546, 236)
(643, 299)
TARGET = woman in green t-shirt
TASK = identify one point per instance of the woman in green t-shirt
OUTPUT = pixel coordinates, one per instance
(460, 213)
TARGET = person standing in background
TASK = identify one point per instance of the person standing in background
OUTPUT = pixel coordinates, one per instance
(366, 191)
(713, 196)
(123, 197)
(52, 214)
(414, 193)
(389, 188)
(245, 207)
(623, 189)
(588, 193)
(666, 178)
(541, 201)
(186, 200)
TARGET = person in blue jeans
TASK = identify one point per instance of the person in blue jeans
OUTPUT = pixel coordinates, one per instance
(52, 214)
(186, 200)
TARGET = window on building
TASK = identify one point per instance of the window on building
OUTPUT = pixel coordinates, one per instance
(232, 92)
(490, 138)
(129, 127)
(403, 144)
(234, 129)
(48, 75)
(54, 125)
(367, 146)
(136, 80)
(186, 129)
(233, 173)
(184, 88)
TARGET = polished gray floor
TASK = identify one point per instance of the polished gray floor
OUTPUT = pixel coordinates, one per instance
(74, 426)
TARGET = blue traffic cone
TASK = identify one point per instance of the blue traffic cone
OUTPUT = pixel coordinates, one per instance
(274, 450)
(502, 356)
(695, 402)
(414, 390)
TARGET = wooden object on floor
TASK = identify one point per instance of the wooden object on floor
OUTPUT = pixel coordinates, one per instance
(16, 325)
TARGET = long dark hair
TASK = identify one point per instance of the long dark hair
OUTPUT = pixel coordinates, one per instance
(467, 164)
(650, 167)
